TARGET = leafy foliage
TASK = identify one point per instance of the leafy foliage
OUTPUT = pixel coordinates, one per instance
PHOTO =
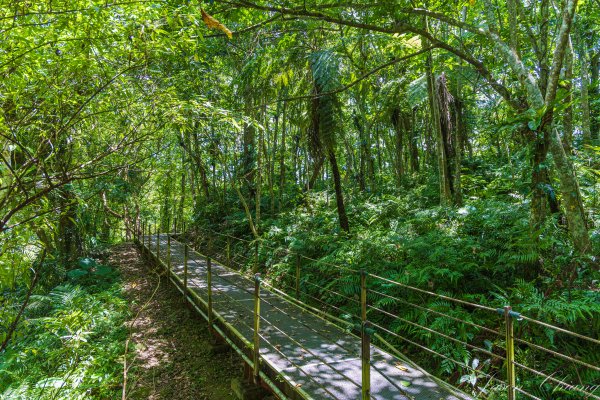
(72, 342)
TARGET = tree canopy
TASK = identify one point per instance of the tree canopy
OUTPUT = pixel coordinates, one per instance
(452, 145)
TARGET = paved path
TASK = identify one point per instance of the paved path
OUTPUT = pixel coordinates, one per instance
(310, 356)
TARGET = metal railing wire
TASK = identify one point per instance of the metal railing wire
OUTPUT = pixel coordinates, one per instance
(510, 316)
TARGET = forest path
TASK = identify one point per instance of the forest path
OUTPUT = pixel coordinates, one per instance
(169, 343)
(302, 354)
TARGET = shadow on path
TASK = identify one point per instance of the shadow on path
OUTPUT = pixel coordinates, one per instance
(168, 350)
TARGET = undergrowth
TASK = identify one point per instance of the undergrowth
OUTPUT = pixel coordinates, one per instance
(483, 252)
(70, 342)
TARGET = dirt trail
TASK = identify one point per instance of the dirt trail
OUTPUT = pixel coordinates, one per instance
(169, 343)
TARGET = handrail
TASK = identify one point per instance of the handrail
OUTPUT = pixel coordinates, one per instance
(441, 314)
(387, 280)
(510, 362)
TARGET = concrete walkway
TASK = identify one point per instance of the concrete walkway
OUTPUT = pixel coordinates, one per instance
(306, 356)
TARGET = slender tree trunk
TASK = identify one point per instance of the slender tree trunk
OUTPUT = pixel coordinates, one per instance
(249, 150)
(414, 143)
(361, 153)
(198, 160)
(339, 196)
(350, 159)
(272, 158)
(544, 25)
(399, 143)
(379, 161)
(568, 115)
(258, 181)
(459, 138)
(69, 243)
(317, 167)
(594, 94)
(585, 99)
(444, 146)
(282, 158)
(13, 326)
(512, 23)
(296, 158)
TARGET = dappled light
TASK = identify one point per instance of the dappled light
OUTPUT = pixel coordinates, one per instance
(300, 199)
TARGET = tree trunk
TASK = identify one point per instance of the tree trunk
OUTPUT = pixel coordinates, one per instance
(362, 182)
(317, 167)
(594, 94)
(198, 160)
(399, 143)
(249, 151)
(258, 181)
(544, 25)
(69, 243)
(282, 158)
(339, 196)
(568, 115)
(272, 157)
(585, 100)
(445, 145)
(571, 195)
(444, 183)
(540, 184)
(413, 143)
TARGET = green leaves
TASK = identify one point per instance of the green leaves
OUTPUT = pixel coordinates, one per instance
(325, 68)
(73, 340)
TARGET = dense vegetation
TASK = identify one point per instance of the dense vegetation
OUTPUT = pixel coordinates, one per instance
(450, 146)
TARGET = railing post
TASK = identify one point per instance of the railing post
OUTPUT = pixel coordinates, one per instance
(168, 246)
(365, 353)
(209, 284)
(158, 243)
(510, 353)
(297, 276)
(256, 358)
(255, 269)
(143, 233)
(185, 268)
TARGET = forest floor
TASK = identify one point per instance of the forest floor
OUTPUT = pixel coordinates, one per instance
(168, 347)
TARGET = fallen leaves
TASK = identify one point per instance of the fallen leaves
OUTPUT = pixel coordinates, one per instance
(401, 367)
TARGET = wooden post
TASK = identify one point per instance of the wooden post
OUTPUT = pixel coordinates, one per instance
(143, 233)
(209, 284)
(185, 268)
(510, 353)
(365, 353)
(297, 276)
(256, 348)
